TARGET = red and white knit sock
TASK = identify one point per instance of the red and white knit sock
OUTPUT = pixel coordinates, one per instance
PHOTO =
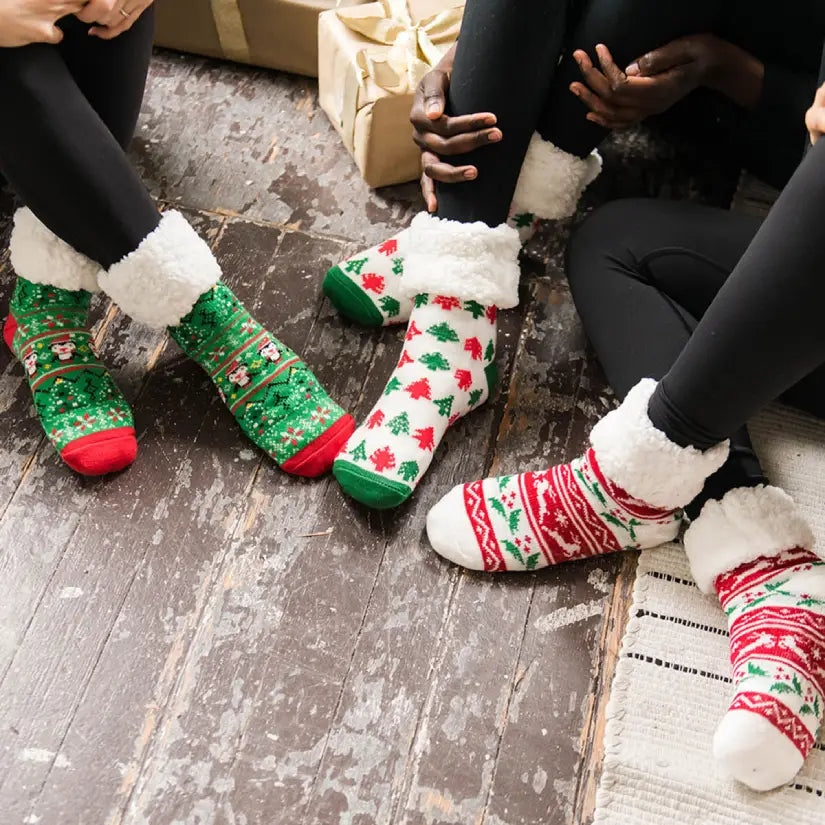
(626, 491)
(753, 548)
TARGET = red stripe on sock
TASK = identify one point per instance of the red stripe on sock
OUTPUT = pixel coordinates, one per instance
(215, 338)
(230, 358)
(263, 383)
(63, 370)
(780, 716)
(485, 534)
(629, 504)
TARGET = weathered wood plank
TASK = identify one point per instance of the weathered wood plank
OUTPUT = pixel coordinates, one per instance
(257, 145)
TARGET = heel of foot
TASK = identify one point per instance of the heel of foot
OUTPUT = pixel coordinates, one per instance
(9, 329)
(369, 488)
(350, 300)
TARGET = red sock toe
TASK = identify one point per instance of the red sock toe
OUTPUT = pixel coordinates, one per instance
(317, 457)
(99, 453)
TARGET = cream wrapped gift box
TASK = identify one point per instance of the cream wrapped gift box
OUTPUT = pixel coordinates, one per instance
(279, 34)
(370, 59)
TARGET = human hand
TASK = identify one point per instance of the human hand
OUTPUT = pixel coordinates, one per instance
(112, 17)
(438, 135)
(33, 21)
(650, 85)
(815, 116)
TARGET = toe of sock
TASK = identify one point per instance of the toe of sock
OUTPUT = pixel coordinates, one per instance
(370, 489)
(100, 453)
(450, 532)
(754, 752)
(350, 300)
(316, 458)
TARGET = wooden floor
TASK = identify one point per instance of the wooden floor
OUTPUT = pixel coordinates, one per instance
(205, 640)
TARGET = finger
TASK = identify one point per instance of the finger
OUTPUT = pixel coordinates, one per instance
(615, 76)
(448, 126)
(815, 122)
(614, 124)
(111, 32)
(446, 173)
(428, 191)
(50, 33)
(592, 76)
(592, 101)
(458, 145)
(660, 60)
(97, 11)
(433, 92)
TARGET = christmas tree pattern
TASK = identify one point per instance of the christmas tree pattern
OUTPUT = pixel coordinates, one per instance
(440, 376)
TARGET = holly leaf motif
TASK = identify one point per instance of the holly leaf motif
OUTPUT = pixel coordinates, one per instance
(806, 710)
(515, 516)
(490, 352)
(755, 670)
(513, 550)
(435, 361)
(532, 561)
(797, 685)
(782, 687)
(498, 507)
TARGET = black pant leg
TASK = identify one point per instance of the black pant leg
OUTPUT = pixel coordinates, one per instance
(763, 333)
(62, 160)
(642, 272)
(111, 74)
(506, 56)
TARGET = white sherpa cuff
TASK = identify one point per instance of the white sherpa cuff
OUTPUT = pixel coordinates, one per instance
(552, 181)
(471, 261)
(159, 283)
(748, 522)
(39, 256)
(644, 462)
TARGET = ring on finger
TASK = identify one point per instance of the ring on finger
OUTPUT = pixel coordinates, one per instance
(125, 14)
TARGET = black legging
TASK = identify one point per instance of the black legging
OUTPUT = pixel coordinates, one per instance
(725, 309)
(508, 62)
(68, 113)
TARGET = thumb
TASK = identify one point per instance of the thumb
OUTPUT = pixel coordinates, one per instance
(659, 60)
(433, 87)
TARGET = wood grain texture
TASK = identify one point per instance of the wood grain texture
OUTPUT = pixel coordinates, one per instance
(203, 640)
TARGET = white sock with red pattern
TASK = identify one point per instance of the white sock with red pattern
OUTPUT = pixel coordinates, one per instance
(626, 491)
(753, 548)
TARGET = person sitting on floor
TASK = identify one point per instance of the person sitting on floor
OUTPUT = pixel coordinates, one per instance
(72, 78)
(523, 146)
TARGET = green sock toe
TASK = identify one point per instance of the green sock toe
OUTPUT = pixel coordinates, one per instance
(350, 300)
(369, 488)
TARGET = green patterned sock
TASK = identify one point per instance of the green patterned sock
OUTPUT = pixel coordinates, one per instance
(83, 412)
(273, 395)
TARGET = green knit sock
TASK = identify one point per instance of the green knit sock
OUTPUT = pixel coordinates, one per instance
(83, 412)
(273, 395)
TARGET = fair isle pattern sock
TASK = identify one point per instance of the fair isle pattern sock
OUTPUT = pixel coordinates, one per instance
(446, 369)
(366, 288)
(83, 412)
(273, 395)
(533, 520)
(776, 617)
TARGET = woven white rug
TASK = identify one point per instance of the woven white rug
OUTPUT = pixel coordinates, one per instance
(672, 682)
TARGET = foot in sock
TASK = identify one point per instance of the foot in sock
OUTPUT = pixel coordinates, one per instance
(366, 288)
(752, 548)
(447, 364)
(273, 395)
(609, 499)
(172, 279)
(82, 411)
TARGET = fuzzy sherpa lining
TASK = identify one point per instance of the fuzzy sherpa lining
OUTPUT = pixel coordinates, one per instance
(159, 283)
(644, 461)
(552, 181)
(748, 522)
(471, 261)
(39, 256)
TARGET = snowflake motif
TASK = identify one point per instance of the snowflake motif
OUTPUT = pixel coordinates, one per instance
(85, 422)
(116, 415)
(291, 435)
(56, 434)
(248, 327)
(217, 354)
(320, 414)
